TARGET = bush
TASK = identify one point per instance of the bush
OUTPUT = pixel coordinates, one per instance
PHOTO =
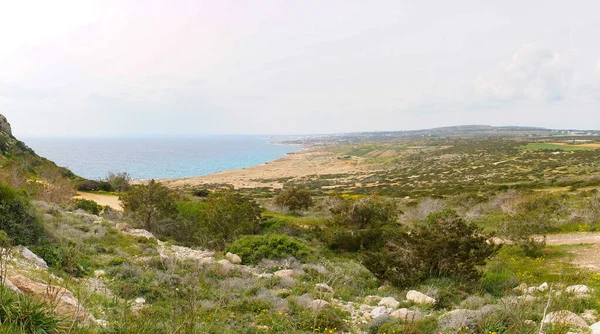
(88, 185)
(227, 216)
(294, 199)
(88, 205)
(253, 249)
(119, 181)
(443, 246)
(360, 224)
(69, 259)
(150, 205)
(17, 218)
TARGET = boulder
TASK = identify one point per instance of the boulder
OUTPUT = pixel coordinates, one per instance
(63, 300)
(225, 267)
(36, 260)
(233, 258)
(389, 302)
(407, 315)
(595, 328)
(380, 311)
(318, 304)
(579, 290)
(543, 287)
(322, 287)
(564, 318)
(285, 273)
(419, 298)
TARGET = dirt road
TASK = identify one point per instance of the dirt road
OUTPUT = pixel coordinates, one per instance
(110, 200)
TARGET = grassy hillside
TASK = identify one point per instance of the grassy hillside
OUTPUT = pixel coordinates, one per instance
(23, 169)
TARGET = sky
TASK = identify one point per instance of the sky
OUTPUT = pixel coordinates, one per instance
(137, 68)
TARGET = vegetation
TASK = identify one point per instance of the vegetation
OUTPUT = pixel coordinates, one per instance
(88, 205)
(425, 221)
(151, 206)
(443, 246)
(254, 249)
(17, 219)
(294, 199)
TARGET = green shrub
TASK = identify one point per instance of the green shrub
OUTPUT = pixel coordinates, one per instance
(252, 249)
(17, 218)
(88, 185)
(20, 312)
(443, 246)
(294, 199)
(67, 258)
(88, 205)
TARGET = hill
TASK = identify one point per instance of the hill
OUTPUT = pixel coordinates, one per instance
(23, 169)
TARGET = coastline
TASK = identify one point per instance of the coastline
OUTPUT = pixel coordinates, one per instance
(309, 161)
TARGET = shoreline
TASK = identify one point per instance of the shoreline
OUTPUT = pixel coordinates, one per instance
(295, 166)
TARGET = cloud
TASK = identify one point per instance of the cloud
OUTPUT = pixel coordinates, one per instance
(533, 73)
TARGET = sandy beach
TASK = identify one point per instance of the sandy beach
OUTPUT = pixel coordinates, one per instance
(294, 166)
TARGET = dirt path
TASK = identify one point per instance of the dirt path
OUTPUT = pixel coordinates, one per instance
(110, 200)
(588, 255)
(574, 238)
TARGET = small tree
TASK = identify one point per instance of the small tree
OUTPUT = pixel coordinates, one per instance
(360, 224)
(229, 215)
(119, 181)
(150, 205)
(294, 199)
(443, 246)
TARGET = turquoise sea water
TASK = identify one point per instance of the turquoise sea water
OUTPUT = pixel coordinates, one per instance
(147, 158)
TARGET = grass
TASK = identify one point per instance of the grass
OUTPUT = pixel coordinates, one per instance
(561, 147)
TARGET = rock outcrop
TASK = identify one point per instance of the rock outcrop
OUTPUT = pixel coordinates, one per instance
(4, 125)
(64, 301)
(419, 298)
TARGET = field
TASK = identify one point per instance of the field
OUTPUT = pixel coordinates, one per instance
(561, 146)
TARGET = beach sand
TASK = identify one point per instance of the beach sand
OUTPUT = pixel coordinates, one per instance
(295, 166)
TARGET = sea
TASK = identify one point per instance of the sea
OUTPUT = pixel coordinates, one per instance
(159, 158)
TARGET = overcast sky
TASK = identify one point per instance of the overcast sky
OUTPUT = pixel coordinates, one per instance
(73, 68)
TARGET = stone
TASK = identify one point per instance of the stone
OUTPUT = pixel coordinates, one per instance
(63, 300)
(590, 316)
(595, 328)
(565, 318)
(140, 300)
(372, 299)
(225, 266)
(29, 255)
(389, 302)
(578, 290)
(419, 298)
(543, 287)
(322, 287)
(379, 311)
(233, 258)
(285, 273)
(9, 285)
(407, 315)
(99, 273)
(365, 308)
(522, 287)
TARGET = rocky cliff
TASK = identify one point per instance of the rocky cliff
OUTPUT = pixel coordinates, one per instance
(4, 125)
